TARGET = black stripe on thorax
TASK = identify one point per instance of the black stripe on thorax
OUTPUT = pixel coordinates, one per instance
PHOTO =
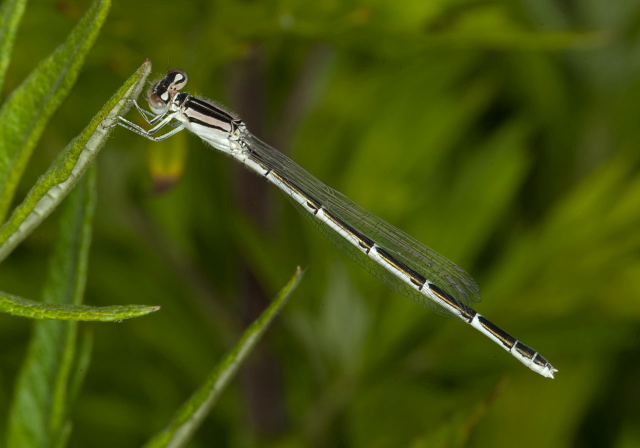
(207, 109)
(465, 312)
(207, 124)
(415, 278)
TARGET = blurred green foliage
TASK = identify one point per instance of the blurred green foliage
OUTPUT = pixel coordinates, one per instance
(502, 134)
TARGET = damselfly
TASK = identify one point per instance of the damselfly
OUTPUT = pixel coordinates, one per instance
(402, 263)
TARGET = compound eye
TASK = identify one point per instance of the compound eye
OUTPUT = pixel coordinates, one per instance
(156, 104)
(178, 78)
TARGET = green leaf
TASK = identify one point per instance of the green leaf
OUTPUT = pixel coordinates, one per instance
(28, 109)
(40, 404)
(11, 13)
(68, 276)
(69, 167)
(192, 413)
(81, 367)
(19, 306)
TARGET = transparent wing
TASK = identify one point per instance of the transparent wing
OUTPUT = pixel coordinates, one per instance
(434, 267)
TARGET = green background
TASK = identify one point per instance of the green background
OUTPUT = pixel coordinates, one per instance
(504, 135)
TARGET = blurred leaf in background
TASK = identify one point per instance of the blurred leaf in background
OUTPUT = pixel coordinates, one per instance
(501, 134)
(44, 391)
